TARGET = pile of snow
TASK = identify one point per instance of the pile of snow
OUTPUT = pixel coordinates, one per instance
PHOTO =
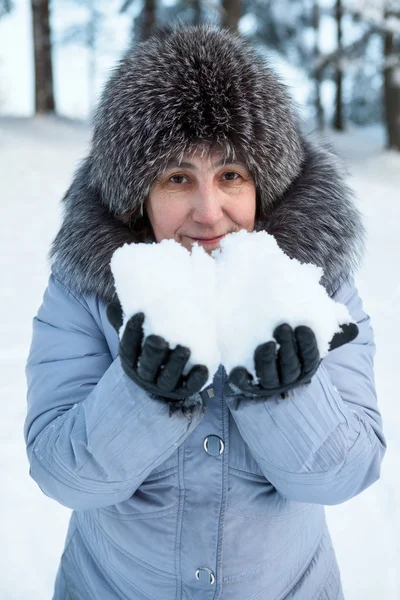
(261, 287)
(176, 291)
(224, 305)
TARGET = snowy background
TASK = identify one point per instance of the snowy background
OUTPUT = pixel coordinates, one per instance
(37, 159)
(75, 91)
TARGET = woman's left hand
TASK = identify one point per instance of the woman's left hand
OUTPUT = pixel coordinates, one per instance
(294, 364)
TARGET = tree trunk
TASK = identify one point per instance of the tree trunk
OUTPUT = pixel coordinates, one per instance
(5, 7)
(318, 75)
(196, 4)
(231, 13)
(149, 18)
(338, 122)
(92, 30)
(392, 92)
(44, 93)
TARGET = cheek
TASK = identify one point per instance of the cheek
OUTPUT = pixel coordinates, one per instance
(243, 212)
(166, 218)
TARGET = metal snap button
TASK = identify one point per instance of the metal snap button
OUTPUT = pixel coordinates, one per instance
(205, 575)
(213, 445)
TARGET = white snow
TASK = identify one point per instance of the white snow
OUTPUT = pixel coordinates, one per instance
(260, 287)
(176, 291)
(37, 158)
(223, 307)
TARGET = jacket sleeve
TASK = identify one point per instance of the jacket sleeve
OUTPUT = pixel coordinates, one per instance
(92, 434)
(323, 444)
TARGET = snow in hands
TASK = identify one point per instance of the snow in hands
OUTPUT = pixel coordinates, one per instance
(225, 305)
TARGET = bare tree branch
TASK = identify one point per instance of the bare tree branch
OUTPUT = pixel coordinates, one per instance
(352, 50)
(127, 4)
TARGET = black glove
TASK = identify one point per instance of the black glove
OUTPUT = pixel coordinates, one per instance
(295, 364)
(155, 367)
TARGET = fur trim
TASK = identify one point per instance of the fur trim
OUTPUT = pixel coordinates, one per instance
(315, 221)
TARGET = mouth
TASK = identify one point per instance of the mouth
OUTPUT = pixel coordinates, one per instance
(208, 241)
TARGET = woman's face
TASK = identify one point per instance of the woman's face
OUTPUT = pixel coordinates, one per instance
(201, 199)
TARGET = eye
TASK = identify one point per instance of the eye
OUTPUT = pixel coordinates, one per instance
(178, 179)
(231, 175)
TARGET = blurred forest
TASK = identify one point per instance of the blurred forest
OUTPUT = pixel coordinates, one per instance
(363, 67)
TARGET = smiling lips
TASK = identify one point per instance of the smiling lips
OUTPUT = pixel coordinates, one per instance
(208, 240)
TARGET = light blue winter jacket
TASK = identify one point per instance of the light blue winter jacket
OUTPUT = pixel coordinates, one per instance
(222, 505)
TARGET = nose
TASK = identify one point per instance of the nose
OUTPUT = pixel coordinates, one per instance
(207, 205)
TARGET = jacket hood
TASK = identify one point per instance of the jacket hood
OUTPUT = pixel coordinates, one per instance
(193, 86)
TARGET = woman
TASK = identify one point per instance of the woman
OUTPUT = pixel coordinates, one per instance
(179, 493)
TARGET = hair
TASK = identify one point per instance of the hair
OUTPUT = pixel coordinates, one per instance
(138, 222)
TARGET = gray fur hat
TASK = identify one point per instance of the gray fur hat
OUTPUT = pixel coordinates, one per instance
(186, 86)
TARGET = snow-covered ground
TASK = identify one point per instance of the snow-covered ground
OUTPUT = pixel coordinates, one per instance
(37, 159)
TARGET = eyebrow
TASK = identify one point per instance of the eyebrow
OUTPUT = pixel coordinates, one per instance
(174, 163)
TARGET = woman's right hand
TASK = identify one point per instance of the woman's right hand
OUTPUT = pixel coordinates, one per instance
(152, 365)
